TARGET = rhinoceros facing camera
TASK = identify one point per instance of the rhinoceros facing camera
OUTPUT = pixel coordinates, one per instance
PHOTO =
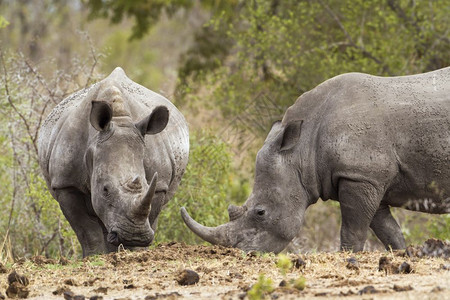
(113, 156)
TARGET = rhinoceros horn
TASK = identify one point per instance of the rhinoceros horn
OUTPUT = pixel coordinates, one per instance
(215, 235)
(234, 212)
(143, 206)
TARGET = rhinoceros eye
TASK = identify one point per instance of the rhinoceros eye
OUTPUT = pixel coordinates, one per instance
(260, 212)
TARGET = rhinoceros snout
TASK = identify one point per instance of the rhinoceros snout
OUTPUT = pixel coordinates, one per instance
(135, 240)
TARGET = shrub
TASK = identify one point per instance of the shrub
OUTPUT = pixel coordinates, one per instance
(205, 190)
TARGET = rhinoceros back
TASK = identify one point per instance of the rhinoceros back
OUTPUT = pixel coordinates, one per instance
(394, 131)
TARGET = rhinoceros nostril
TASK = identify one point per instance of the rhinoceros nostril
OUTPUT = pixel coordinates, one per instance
(134, 184)
(136, 180)
(113, 238)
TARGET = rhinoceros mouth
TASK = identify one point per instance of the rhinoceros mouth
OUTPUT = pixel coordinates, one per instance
(141, 239)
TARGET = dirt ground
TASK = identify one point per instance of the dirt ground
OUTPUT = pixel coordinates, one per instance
(225, 273)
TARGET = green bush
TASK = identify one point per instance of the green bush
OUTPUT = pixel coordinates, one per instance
(54, 226)
(417, 227)
(31, 222)
(206, 189)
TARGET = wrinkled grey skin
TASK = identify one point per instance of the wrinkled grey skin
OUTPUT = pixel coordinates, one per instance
(113, 155)
(369, 142)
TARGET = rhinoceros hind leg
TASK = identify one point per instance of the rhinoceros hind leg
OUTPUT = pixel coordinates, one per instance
(86, 226)
(359, 202)
(387, 229)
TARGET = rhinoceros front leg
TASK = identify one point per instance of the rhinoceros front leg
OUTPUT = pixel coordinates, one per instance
(387, 229)
(87, 227)
(359, 202)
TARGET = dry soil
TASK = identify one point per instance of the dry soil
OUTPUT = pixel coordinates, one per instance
(225, 273)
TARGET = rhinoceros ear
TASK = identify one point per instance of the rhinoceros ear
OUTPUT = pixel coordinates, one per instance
(290, 135)
(101, 115)
(155, 122)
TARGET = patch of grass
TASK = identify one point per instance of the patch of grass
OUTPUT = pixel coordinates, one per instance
(284, 264)
(261, 288)
(96, 261)
(299, 283)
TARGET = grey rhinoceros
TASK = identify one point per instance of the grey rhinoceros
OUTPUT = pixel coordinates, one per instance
(369, 142)
(113, 155)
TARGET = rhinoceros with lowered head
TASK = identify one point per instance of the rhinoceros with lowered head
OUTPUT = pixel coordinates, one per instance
(112, 156)
(369, 142)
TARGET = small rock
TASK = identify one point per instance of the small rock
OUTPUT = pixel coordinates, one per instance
(129, 286)
(404, 268)
(17, 290)
(242, 296)
(70, 282)
(68, 295)
(410, 251)
(299, 263)
(61, 290)
(383, 262)
(352, 264)
(368, 290)
(187, 277)
(400, 288)
(283, 283)
(386, 265)
(253, 253)
(96, 297)
(16, 277)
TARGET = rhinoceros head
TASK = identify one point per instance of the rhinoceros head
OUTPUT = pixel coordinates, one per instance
(272, 215)
(120, 193)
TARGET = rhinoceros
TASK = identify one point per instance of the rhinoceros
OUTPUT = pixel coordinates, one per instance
(369, 142)
(112, 156)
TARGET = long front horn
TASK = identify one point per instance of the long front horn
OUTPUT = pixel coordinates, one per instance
(214, 235)
(143, 206)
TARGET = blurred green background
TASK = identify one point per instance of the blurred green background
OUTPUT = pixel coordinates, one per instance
(231, 67)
